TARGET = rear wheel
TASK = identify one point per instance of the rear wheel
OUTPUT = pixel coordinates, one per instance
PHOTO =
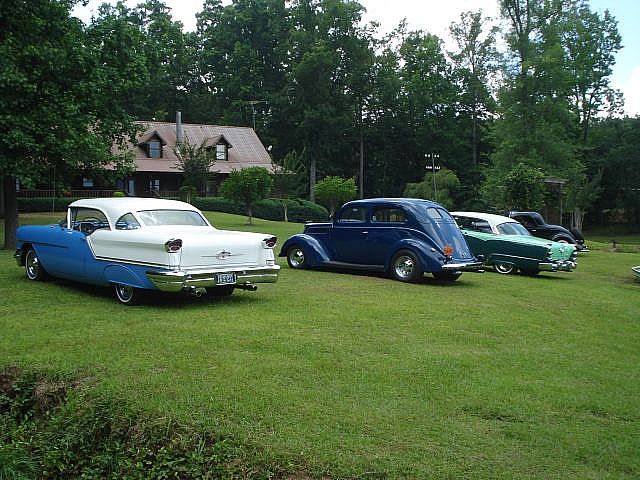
(127, 295)
(504, 268)
(296, 258)
(405, 267)
(32, 267)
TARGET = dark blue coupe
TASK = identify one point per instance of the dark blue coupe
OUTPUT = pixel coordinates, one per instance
(402, 236)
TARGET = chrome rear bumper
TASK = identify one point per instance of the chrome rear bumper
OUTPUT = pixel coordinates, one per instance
(179, 280)
(560, 266)
(463, 267)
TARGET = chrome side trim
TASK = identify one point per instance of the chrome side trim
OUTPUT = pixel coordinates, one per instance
(176, 281)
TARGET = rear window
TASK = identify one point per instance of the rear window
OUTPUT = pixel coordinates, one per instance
(171, 217)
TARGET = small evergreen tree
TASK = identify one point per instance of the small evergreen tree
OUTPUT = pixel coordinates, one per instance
(247, 187)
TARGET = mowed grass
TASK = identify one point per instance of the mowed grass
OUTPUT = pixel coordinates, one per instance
(358, 376)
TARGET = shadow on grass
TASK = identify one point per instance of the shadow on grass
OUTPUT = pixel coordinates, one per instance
(153, 298)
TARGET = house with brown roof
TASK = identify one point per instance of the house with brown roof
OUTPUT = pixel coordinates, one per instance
(157, 171)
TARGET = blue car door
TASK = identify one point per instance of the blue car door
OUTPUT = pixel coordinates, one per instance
(349, 237)
(64, 253)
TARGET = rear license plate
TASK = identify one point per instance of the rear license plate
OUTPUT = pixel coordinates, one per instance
(226, 278)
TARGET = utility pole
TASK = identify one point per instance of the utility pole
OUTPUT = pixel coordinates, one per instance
(434, 167)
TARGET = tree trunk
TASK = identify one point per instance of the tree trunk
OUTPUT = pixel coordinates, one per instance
(10, 211)
(312, 179)
(250, 212)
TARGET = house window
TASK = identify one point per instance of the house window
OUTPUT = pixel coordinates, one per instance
(87, 182)
(221, 151)
(154, 185)
(155, 149)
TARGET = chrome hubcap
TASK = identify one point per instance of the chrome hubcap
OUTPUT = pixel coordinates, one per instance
(296, 257)
(504, 268)
(124, 292)
(404, 267)
(32, 265)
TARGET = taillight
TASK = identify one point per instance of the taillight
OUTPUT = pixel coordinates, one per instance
(269, 242)
(448, 251)
(173, 245)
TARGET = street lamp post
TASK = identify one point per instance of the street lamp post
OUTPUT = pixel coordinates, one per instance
(434, 167)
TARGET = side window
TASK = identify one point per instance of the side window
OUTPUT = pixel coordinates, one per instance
(526, 221)
(480, 225)
(389, 215)
(88, 220)
(127, 222)
(464, 222)
(356, 214)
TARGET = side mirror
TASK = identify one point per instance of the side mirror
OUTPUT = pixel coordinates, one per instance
(62, 223)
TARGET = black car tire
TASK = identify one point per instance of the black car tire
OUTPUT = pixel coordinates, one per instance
(127, 295)
(405, 267)
(296, 257)
(504, 268)
(32, 267)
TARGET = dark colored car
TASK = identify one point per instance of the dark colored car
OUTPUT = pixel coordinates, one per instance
(404, 237)
(535, 223)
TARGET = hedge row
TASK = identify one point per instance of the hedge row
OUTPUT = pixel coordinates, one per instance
(298, 210)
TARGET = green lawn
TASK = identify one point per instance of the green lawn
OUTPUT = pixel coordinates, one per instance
(359, 376)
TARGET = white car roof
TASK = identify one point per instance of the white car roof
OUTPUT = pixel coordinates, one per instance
(115, 207)
(492, 219)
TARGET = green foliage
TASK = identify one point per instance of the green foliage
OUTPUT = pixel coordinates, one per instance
(59, 204)
(247, 186)
(440, 187)
(195, 162)
(524, 188)
(334, 191)
(119, 194)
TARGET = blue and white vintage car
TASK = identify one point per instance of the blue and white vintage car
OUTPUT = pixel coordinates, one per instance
(401, 236)
(136, 244)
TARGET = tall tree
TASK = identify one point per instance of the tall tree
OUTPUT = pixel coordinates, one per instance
(477, 62)
(54, 113)
(591, 42)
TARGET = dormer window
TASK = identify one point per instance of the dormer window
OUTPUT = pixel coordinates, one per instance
(221, 151)
(155, 149)
(152, 144)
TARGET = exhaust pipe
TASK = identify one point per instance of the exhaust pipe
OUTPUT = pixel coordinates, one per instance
(248, 286)
(196, 291)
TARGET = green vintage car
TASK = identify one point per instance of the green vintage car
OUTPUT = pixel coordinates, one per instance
(506, 246)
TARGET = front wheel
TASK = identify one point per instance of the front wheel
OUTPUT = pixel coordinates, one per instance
(504, 268)
(296, 258)
(127, 295)
(32, 267)
(405, 267)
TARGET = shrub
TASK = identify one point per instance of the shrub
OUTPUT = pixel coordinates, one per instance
(30, 205)
(119, 194)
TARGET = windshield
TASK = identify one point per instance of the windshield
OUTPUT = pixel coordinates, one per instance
(171, 217)
(512, 228)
